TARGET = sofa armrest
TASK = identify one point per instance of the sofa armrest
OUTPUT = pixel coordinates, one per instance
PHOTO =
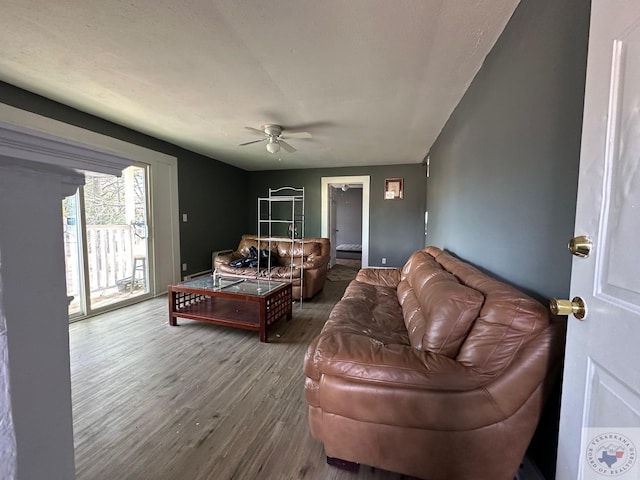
(224, 257)
(388, 277)
(457, 395)
(397, 385)
(315, 261)
(362, 359)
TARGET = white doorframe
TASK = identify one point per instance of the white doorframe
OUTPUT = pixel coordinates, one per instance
(327, 183)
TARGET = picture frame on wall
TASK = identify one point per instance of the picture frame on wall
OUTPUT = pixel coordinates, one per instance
(393, 189)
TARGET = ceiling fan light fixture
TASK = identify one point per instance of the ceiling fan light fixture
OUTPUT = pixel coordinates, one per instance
(276, 138)
(273, 146)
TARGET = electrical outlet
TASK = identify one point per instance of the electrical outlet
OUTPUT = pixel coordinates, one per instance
(384, 260)
(184, 267)
(184, 217)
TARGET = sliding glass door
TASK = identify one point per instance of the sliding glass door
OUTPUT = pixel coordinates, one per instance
(107, 241)
(73, 256)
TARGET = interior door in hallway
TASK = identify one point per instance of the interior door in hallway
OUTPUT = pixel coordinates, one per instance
(600, 415)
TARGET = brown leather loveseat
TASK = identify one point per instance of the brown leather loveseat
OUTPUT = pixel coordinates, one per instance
(436, 371)
(302, 261)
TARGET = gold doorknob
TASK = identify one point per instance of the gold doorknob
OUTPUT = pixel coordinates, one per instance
(580, 246)
(575, 307)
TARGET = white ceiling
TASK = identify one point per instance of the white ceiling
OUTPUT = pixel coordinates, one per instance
(374, 81)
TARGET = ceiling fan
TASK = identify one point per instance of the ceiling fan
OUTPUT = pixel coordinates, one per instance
(275, 136)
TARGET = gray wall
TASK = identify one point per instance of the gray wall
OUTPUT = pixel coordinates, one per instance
(209, 191)
(504, 170)
(212, 195)
(396, 227)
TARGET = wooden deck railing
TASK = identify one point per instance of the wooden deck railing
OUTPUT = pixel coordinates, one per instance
(109, 249)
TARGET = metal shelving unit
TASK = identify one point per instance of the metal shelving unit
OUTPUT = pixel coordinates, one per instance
(291, 200)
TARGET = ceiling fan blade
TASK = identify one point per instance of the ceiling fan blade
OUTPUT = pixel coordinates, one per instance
(286, 146)
(255, 130)
(288, 134)
(252, 141)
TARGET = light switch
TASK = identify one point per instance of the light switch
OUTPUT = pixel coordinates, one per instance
(184, 217)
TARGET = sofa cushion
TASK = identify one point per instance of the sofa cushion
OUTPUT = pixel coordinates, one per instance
(371, 312)
(389, 277)
(450, 309)
(438, 311)
(419, 259)
(507, 321)
(297, 250)
(245, 246)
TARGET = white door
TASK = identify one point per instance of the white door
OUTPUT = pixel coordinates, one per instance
(600, 413)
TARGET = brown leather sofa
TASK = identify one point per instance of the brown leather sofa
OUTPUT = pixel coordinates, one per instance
(304, 262)
(436, 371)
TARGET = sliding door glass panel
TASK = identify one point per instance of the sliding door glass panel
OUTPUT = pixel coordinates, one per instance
(116, 229)
(73, 256)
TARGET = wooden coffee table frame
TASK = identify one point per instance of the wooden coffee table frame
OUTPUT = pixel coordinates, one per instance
(233, 309)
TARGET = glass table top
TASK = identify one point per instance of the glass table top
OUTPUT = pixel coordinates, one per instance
(233, 285)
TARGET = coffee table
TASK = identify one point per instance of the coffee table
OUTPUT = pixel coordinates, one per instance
(241, 303)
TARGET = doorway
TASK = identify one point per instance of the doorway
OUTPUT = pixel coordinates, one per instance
(346, 217)
(106, 239)
(329, 189)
